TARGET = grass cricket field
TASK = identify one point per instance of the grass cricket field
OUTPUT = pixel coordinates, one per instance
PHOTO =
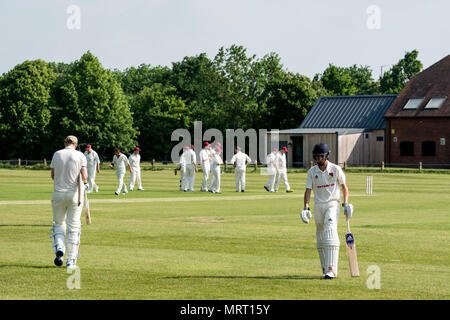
(165, 244)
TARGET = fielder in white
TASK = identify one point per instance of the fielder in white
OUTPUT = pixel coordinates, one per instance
(67, 167)
(135, 162)
(190, 164)
(272, 170)
(215, 171)
(183, 169)
(93, 167)
(325, 179)
(120, 161)
(205, 161)
(240, 161)
(280, 160)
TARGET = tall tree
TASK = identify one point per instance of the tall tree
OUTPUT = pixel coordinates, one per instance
(158, 112)
(90, 103)
(25, 104)
(395, 79)
(342, 81)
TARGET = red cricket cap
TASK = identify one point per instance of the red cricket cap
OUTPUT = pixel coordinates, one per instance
(137, 149)
(88, 146)
(285, 149)
(192, 146)
(205, 144)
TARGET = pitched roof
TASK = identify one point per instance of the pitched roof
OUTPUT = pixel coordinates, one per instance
(365, 112)
(431, 82)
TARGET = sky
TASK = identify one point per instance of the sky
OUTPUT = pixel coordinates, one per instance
(307, 35)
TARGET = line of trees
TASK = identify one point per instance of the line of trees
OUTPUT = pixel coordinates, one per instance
(42, 102)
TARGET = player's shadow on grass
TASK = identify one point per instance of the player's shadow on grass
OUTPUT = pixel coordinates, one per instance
(25, 266)
(293, 277)
(25, 225)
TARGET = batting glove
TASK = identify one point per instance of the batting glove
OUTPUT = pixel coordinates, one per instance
(348, 210)
(86, 186)
(306, 215)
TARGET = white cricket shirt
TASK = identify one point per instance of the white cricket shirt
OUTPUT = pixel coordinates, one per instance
(280, 160)
(92, 159)
(326, 184)
(189, 157)
(216, 160)
(204, 157)
(67, 164)
(135, 161)
(240, 159)
(120, 162)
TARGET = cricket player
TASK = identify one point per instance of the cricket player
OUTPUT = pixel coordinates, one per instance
(325, 179)
(183, 169)
(120, 161)
(240, 161)
(205, 161)
(272, 170)
(93, 167)
(280, 160)
(190, 164)
(215, 172)
(135, 162)
(68, 166)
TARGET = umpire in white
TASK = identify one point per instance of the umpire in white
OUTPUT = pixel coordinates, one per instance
(68, 171)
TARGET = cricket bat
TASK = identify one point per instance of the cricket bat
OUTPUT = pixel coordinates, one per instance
(351, 252)
(87, 213)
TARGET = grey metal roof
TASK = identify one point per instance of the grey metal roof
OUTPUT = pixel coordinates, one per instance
(340, 131)
(365, 111)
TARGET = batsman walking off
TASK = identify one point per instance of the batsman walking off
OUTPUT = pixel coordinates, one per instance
(67, 167)
(325, 178)
(240, 162)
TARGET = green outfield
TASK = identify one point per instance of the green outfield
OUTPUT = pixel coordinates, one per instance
(165, 244)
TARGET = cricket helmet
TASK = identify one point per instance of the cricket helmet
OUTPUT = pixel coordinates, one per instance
(321, 149)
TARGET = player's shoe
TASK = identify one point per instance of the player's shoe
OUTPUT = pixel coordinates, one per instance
(116, 193)
(96, 188)
(267, 189)
(125, 192)
(329, 275)
(71, 264)
(242, 190)
(140, 189)
(290, 190)
(58, 260)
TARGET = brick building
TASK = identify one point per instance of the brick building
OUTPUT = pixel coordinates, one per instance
(418, 121)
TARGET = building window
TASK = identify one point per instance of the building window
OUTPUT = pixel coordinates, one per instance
(407, 148)
(442, 141)
(380, 138)
(429, 148)
(413, 103)
(435, 103)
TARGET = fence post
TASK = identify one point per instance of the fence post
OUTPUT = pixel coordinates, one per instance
(311, 164)
(256, 165)
(382, 165)
(226, 163)
(45, 163)
(345, 165)
(420, 166)
(153, 164)
(18, 163)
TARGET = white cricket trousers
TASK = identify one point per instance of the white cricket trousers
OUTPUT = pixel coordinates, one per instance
(189, 177)
(136, 175)
(215, 179)
(206, 170)
(120, 184)
(92, 171)
(182, 175)
(282, 176)
(327, 240)
(239, 174)
(272, 177)
(66, 214)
